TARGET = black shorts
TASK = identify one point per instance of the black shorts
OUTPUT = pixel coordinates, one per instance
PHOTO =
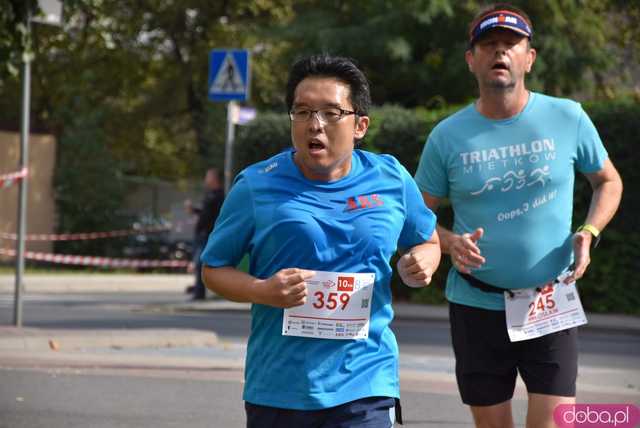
(370, 412)
(487, 362)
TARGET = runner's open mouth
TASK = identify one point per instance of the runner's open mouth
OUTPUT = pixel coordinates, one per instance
(316, 145)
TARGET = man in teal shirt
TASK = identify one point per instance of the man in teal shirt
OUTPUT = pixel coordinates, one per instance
(506, 163)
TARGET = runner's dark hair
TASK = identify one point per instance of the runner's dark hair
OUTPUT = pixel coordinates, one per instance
(341, 68)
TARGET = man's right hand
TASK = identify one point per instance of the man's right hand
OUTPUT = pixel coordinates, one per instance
(464, 251)
(285, 289)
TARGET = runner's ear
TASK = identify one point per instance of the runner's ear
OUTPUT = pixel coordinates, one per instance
(362, 124)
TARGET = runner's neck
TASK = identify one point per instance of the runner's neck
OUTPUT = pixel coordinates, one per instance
(499, 105)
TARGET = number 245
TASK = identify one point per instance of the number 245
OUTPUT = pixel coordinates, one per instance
(547, 303)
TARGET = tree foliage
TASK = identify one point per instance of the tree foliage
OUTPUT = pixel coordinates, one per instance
(128, 78)
(412, 51)
(145, 61)
(88, 183)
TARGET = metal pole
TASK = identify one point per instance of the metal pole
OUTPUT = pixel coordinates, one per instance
(228, 147)
(24, 161)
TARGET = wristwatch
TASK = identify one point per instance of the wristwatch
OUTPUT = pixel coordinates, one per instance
(593, 231)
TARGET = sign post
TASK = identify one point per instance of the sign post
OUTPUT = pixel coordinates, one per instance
(229, 80)
(52, 15)
(228, 146)
(22, 192)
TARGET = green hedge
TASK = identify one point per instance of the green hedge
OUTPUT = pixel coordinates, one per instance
(608, 285)
(262, 138)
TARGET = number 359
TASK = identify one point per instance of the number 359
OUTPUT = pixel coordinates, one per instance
(332, 300)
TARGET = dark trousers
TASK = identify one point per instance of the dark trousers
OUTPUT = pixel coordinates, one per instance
(370, 412)
(199, 291)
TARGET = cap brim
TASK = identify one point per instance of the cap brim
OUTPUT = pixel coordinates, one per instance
(507, 27)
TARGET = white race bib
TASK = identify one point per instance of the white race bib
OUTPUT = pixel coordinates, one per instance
(531, 313)
(338, 306)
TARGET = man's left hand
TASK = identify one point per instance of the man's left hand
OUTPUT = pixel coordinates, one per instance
(581, 251)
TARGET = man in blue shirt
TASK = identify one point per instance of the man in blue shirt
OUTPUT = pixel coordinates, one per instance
(506, 163)
(321, 223)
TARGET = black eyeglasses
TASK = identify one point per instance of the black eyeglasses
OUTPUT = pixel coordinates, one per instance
(326, 115)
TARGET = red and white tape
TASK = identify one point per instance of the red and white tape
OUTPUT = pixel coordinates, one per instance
(6, 180)
(87, 235)
(69, 259)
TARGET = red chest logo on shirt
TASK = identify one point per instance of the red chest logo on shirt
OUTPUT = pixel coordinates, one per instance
(363, 202)
(345, 283)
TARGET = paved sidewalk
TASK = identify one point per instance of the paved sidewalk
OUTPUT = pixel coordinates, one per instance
(41, 339)
(27, 339)
(97, 283)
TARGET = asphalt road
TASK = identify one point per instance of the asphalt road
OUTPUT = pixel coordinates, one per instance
(181, 387)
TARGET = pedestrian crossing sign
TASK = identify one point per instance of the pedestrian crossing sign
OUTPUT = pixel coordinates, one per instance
(229, 75)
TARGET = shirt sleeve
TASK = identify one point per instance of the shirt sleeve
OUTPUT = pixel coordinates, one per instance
(431, 175)
(590, 153)
(420, 221)
(234, 228)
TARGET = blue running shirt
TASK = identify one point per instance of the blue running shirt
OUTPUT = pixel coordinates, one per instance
(353, 224)
(514, 178)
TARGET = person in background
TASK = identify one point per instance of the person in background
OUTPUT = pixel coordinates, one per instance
(327, 216)
(507, 165)
(207, 214)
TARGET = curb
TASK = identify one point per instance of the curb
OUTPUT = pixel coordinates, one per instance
(36, 339)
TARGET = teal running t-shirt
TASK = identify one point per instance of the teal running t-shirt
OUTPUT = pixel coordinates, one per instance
(354, 224)
(514, 178)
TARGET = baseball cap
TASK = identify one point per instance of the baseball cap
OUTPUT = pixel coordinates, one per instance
(500, 18)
